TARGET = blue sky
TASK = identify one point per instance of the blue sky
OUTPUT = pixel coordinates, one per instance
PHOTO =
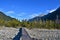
(26, 9)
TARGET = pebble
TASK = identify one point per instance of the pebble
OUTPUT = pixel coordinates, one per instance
(8, 33)
(46, 34)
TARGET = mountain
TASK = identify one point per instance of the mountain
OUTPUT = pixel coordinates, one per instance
(8, 21)
(50, 16)
(5, 17)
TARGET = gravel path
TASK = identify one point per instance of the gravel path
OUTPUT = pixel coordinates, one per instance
(25, 35)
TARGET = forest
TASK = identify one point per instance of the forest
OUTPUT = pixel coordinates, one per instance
(48, 24)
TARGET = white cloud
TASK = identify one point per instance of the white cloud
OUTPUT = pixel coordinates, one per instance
(33, 15)
(21, 14)
(36, 14)
(52, 10)
(10, 12)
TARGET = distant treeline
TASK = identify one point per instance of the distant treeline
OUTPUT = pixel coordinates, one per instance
(48, 24)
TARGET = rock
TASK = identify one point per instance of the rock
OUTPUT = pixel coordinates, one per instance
(45, 34)
(8, 33)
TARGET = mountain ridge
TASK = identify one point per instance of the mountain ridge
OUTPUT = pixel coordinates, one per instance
(50, 16)
(5, 17)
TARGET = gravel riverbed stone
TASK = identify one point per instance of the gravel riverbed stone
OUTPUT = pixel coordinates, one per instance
(44, 34)
(8, 33)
